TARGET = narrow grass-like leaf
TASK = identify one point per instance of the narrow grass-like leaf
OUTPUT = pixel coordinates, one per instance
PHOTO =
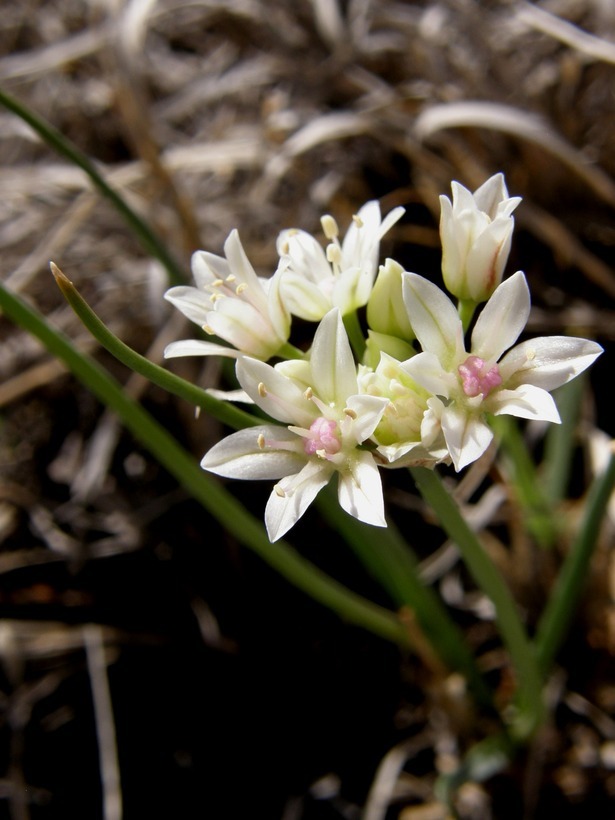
(208, 491)
(394, 565)
(221, 410)
(572, 578)
(487, 577)
(63, 146)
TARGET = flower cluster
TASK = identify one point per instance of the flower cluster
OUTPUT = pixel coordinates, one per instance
(415, 392)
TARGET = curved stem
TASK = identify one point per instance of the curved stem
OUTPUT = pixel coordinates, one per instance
(208, 491)
(355, 334)
(488, 578)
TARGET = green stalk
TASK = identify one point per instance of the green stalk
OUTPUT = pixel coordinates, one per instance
(394, 565)
(205, 489)
(466, 309)
(355, 334)
(560, 440)
(61, 145)
(489, 580)
(563, 601)
(221, 410)
(538, 514)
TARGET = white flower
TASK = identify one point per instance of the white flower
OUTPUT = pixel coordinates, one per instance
(232, 302)
(315, 280)
(327, 421)
(468, 385)
(476, 231)
(405, 435)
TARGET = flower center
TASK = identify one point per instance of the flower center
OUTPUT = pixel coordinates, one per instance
(323, 438)
(476, 379)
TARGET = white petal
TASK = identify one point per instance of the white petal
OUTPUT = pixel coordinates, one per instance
(526, 402)
(242, 325)
(426, 370)
(277, 395)
(304, 255)
(196, 347)
(548, 361)
(207, 267)
(195, 304)
(502, 319)
(283, 511)
(240, 455)
(434, 319)
(467, 436)
(241, 267)
(333, 367)
(369, 410)
(352, 289)
(302, 297)
(360, 490)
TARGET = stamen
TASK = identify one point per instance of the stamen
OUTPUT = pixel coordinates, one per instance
(231, 278)
(530, 354)
(217, 283)
(209, 330)
(285, 248)
(329, 227)
(309, 393)
(348, 411)
(279, 491)
(240, 288)
(476, 379)
(357, 220)
(262, 390)
(334, 254)
(261, 441)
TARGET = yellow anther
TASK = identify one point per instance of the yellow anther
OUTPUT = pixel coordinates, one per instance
(357, 220)
(262, 390)
(530, 354)
(348, 411)
(261, 441)
(308, 393)
(334, 254)
(240, 288)
(217, 283)
(231, 278)
(329, 227)
(285, 248)
(215, 297)
(279, 491)
(209, 329)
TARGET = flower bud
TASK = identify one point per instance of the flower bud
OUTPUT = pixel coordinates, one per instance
(386, 312)
(476, 231)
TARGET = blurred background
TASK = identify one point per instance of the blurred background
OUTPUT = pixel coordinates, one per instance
(139, 641)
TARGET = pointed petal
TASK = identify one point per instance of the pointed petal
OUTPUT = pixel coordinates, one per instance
(207, 267)
(195, 304)
(502, 319)
(240, 455)
(368, 410)
(302, 297)
(426, 370)
(334, 372)
(467, 436)
(242, 268)
(526, 402)
(293, 495)
(196, 347)
(548, 361)
(360, 490)
(241, 324)
(434, 319)
(277, 395)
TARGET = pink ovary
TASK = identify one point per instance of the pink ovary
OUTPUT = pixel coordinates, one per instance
(323, 437)
(476, 379)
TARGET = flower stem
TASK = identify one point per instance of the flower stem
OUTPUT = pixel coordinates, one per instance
(466, 309)
(521, 651)
(355, 334)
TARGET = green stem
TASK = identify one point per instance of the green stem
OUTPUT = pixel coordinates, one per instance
(205, 489)
(538, 514)
(61, 145)
(390, 560)
(221, 410)
(355, 334)
(466, 309)
(563, 601)
(560, 440)
(489, 580)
